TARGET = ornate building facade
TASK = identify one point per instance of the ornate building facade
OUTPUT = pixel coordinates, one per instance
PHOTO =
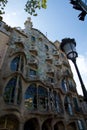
(37, 89)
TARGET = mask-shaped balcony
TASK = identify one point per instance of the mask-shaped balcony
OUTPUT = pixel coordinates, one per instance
(33, 62)
(58, 63)
(33, 49)
(65, 63)
(55, 53)
(49, 59)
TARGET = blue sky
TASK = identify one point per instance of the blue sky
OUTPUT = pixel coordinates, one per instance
(58, 21)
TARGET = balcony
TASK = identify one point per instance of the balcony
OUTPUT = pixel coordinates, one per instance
(49, 81)
(65, 63)
(50, 70)
(33, 49)
(58, 63)
(55, 53)
(59, 74)
(49, 59)
(33, 61)
(72, 88)
(78, 110)
(67, 73)
(19, 41)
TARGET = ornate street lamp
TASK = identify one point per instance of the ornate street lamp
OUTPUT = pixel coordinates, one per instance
(69, 47)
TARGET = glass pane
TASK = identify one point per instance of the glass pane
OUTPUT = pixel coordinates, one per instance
(58, 103)
(32, 38)
(69, 47)
(42, 98)
(76, 104)
(80, 124)
(70, 109)
(32, 72)
(9, 92)
(31, 97)
(64, 85)
(15, 63)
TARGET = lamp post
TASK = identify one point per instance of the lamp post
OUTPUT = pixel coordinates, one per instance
(69, 47)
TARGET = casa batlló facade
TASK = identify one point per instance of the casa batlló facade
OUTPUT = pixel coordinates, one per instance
(37, 89)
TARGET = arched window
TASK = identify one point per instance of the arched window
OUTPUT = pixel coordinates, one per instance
(72, 86)
(68, 105)
(9, 93)
(33, 39)
(58, 103)
(13, 86)
(76, 106)
(46, 47)
(31, 97)
(17, 63)
(42, 98)
(64, 85)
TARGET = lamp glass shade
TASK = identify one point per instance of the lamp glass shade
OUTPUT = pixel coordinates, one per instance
(70, 50)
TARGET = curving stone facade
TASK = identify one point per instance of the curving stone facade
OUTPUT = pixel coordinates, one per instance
(37, 89)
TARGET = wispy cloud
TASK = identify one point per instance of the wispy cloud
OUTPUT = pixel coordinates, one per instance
(82, 66)
(14, 13)
(9, 16)
(12, 18)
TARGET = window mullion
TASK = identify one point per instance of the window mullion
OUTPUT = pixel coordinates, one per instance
(10, 95)
(16, 90)
(19, 64)
(37, 98)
